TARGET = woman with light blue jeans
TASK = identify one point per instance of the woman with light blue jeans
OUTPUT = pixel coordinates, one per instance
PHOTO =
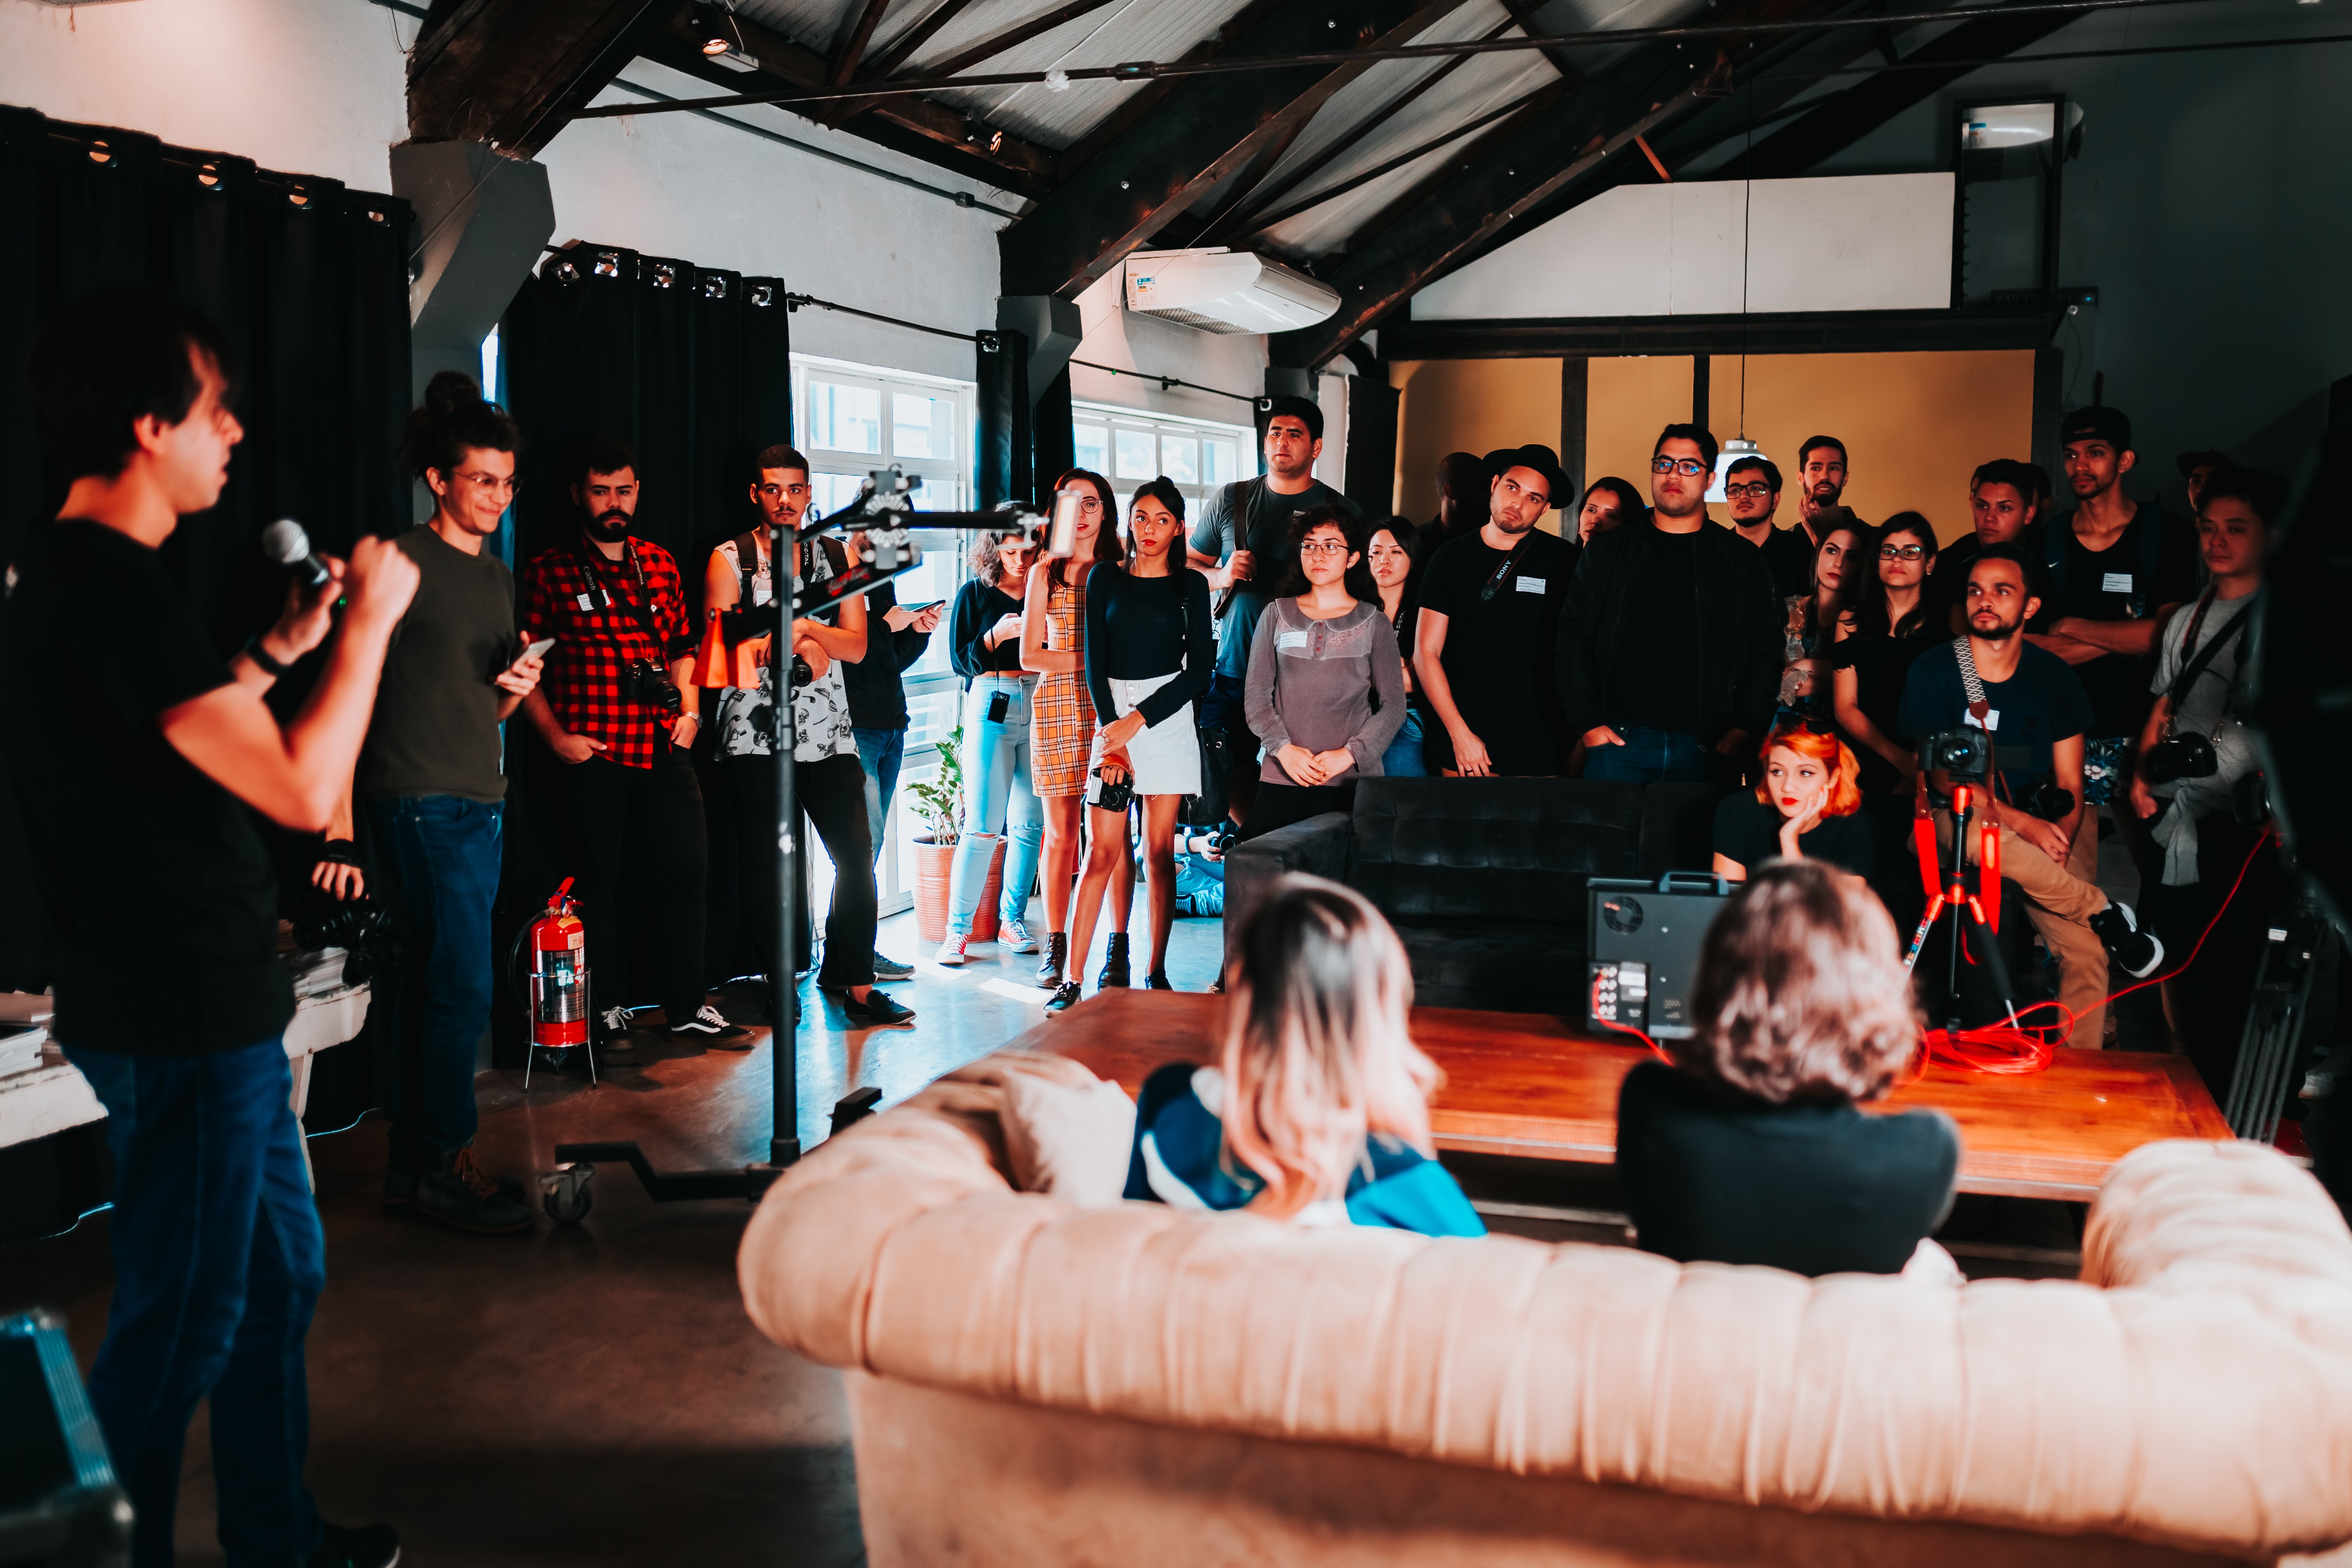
(984, 645)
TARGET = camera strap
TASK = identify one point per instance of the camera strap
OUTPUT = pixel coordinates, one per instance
(608, 600)
(2195, 667)
(1971, 684)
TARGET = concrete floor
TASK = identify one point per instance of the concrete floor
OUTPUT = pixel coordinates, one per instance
(589, 1395)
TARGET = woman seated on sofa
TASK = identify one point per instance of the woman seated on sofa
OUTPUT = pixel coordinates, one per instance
(1751, 1148)
(1318, 1111)
(1804, 810)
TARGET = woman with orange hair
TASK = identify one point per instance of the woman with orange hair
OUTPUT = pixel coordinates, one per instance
(1804, 809)
(1318, 1111)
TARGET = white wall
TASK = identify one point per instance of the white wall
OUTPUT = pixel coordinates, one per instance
(305, 86)
(1232, 362)
(1699, 247)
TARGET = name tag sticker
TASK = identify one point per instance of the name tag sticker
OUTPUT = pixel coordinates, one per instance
(1992, 719)
(1289, 639)
(585, 602)
(2115, 583)
(1531, 585)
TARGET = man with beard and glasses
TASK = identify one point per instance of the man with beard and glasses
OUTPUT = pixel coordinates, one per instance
(1670, 646)
(1489, 611)
(618, 706)
(1822, 478)
(2034, 709)
(1752, 487)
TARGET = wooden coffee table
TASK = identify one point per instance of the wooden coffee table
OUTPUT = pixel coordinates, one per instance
(1525, 1084)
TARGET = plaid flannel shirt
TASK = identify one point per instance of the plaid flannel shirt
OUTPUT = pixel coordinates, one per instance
(596, 637)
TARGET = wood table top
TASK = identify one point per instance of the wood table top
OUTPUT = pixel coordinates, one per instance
(1526, 1084)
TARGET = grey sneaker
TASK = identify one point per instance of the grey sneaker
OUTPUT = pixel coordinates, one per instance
(889, 968)
(1013, 936)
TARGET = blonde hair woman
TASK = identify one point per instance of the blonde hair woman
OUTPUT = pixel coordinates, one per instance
(1752, 1148)
(1318, 1111)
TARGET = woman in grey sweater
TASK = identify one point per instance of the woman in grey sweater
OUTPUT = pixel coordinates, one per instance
(1326, 690)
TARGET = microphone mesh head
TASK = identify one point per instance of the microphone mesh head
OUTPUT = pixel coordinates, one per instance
(285, 543)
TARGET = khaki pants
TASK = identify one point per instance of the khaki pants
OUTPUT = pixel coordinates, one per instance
(2060, 901)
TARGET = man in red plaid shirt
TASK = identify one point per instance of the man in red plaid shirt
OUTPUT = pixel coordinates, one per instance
(617, 703)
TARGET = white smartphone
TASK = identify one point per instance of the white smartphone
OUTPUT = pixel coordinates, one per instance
(538, 649)
(1062, 533)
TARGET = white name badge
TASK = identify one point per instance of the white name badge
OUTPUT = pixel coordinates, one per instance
(2115, 583)
(1992, 719)
(585, 602)
(1289, 639)
(1531, 585)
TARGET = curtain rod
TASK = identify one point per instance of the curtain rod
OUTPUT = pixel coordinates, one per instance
(1057, 80)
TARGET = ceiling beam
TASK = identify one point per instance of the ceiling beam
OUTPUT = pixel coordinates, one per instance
(1138, 104)
(849, 48)
(990, 47)
(1204, 131)
(1523, 12)
(511, 73)
(904, 46)
(1808, 331)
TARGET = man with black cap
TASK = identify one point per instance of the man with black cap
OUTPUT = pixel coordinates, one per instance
(2114, 570)
(1462, 482)
(1670, 645)
(1489, 610)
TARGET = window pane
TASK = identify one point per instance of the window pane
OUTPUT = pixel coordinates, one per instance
(1223, 465)
(1093, 447)
(938, 577)
(931, 714)
(1181, 456)
(918, 426)
(831, 492)
(844, 418)
(1135, 460)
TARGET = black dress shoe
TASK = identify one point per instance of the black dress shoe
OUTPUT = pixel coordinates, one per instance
(1157, 980)
(1065, 997)
(1114, 969)
(879, 1008)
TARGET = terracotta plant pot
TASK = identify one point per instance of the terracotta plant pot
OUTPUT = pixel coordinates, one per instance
(934, 870)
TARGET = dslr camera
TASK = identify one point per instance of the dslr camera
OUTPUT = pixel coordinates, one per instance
(643, 680)
(1966, 755)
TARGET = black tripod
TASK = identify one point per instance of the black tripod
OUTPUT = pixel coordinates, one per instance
(1950, 896)
(2272, 1044)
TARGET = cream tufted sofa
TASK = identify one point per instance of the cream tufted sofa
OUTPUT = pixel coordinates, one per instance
(1047, 1376)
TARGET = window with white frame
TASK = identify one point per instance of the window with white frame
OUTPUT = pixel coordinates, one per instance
(1128, 448)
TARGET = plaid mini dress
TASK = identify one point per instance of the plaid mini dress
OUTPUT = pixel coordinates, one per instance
(1061, 714)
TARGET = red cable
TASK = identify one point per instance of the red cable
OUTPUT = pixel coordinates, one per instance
(1622, 1028)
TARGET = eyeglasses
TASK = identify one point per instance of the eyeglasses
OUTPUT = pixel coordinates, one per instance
(1901, 552)
(1322, 547)
(491, 482)
(1756, 492)
(1689, 467)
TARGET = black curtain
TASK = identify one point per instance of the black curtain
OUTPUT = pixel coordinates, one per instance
(1002, 370)
(691, 366)
(308, 281)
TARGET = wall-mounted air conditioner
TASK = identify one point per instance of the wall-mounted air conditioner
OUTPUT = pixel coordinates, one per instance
(1221, 291)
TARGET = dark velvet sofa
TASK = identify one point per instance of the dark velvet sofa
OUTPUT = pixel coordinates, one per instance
(1485, 879)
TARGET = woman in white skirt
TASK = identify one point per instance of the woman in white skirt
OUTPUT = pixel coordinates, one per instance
(1150, 648)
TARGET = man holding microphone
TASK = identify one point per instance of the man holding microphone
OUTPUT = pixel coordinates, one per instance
(134, 751)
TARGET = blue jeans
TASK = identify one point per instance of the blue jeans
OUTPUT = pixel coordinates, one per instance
(998, 799)
(439, 877)
(879, 752)
(218, 1261)
(1649, 756)
(1404, 758)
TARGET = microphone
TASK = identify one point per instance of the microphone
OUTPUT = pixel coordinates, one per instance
(285, 543)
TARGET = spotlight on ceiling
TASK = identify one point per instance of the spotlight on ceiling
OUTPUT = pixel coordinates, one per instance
(714, 29)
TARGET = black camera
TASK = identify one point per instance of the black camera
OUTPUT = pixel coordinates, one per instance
(1965, 754)
(2181, 757)
(643, 680)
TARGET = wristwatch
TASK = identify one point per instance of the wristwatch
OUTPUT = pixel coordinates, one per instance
(260, 656)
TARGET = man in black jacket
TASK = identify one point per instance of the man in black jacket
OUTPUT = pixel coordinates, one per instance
(1670, 644)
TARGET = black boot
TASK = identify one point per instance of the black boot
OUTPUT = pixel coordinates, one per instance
(1114, 969)
(1065, 997)
(1058, 958)
(455, 1192)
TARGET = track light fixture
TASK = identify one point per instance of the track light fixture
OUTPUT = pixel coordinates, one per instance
(714, 29)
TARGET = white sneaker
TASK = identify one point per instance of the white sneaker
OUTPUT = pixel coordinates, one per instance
(950, 951)
(1013, 937)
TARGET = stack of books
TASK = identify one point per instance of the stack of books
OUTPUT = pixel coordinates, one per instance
(24, 1030)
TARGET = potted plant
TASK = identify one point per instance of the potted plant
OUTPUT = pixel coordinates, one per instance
(938, 800)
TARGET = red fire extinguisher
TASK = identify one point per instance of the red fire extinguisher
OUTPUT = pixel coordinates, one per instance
(559, 973)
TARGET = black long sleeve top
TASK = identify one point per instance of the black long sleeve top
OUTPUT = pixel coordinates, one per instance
(1138, 628)
(878, 698)
(978, 606)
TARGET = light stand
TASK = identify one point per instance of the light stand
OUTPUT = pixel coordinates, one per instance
(882, 511)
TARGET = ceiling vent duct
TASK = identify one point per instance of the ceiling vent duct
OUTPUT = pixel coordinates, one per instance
(1222, 290)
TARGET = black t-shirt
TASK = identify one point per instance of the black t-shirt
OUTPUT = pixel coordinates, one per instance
(1654, 677)
(1749, 830)
(978, 607)
(2040, 703)
(1498, 657)
(2108, 585)
(1789, 552)
(1714, 1177)
(1264, 532)
(164, 903)
(874, 685)
(1882, 664)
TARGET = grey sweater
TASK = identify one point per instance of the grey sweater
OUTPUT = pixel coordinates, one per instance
(1311, 684)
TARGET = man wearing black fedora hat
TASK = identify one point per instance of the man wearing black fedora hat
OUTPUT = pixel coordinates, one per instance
(1489, 609)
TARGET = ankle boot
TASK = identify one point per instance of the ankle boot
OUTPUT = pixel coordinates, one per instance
(1114, 969)
(457, 1192)
(1057, 957)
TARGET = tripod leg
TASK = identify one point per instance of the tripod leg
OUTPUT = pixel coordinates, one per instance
(1919, 937)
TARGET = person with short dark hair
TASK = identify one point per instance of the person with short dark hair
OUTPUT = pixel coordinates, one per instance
(2115, 571)
(1821, 477)
(1482, 648)
(2029, 701)
(1609, 502)
(1751, 487)
(1393, 555)
(1752, 1148)
(1462, 482)
(2198, 469)
(1670, 646)
(2006, 501)
(140, 755)
(618, 706)
(433, 782)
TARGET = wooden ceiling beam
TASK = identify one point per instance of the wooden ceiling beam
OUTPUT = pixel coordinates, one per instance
(511, 73)
(990, 47)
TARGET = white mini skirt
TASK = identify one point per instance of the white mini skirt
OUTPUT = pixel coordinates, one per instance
(1166, 755)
